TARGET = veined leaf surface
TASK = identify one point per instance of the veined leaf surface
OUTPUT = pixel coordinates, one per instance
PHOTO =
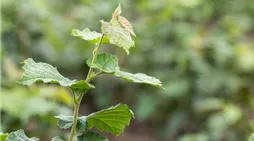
(20, 136)
(91, 36)
(112, 120)
(91, 136)
(108, 63)
(139, 78)
(46, 73)
(118, 36)
(104, 62)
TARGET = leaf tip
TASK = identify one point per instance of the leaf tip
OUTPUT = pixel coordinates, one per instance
(117, 11)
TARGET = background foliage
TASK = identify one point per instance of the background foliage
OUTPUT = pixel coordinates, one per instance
(202, 50)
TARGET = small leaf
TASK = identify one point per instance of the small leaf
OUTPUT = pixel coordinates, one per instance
(139, 78)
(3, 136)
(20, 136)
(48, 74)
(118, 36)
(82, 124)
(251, 137)
(112, 120)
(64, 122)
(105, 62)
(91, 36)
(57, 139)
(126, 24)
(91, 136)
(117, 11)
(81, 86)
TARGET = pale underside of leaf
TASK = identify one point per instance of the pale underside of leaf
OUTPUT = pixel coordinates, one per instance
(91, 136)
(117, 35)
(120, 37)
(34, 72)
(112, 120)
(91, 36)
(57, 139)
(139, 78)
(65, 122)
(20, 136)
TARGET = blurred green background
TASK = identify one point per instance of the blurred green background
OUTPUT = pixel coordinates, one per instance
(202, 50)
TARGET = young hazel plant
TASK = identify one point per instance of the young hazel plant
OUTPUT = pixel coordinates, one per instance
(113, 120)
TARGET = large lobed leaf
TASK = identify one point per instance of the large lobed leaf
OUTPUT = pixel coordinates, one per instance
(46, 73)
(112, 120)
(20, 136)
(42, 72)
(91, 36)
(91, 136)
(109, 64)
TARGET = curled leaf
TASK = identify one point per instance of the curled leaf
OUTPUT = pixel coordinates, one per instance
(126, 24)
(117, 11)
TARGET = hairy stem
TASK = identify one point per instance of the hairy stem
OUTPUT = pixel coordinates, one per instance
(89, 78)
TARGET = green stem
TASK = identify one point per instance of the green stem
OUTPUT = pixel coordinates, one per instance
(95, 53)
(88, 79)
(76, 109)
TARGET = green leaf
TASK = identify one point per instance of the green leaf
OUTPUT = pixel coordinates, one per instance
(57, 139)
(48, 74)
(118, 36)
(3, 136)
(139, 78)
(91, 136)
(105, 62)
(251, 137)
(20, 136)
(91, 36)
(64, 122)
(82, 124)
(81, 86)
(42, 72)
(109, 64)
(112, 120)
